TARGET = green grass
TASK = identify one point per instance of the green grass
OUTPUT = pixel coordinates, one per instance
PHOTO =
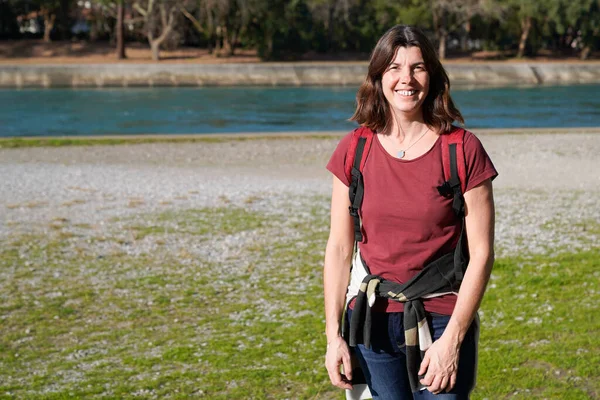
(248, 323)
(12, 143)
(541, 330)
(199, 222)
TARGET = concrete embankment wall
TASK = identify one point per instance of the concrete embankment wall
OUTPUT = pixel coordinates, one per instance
(278, 74)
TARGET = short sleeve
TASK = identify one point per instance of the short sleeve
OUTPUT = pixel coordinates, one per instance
(338, 158)
(479, 164)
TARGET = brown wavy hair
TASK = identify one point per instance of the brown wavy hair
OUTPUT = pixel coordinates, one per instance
(372, 108)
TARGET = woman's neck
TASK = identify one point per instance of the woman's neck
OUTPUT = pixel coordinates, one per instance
(406, 128)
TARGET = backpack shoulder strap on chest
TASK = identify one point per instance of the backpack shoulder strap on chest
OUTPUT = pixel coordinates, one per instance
(455, 168)
(360, 144)
(455, 173)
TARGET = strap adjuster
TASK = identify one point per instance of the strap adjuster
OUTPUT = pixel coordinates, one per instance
(445, 189)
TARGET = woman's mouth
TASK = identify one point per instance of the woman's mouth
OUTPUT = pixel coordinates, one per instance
(406, 92)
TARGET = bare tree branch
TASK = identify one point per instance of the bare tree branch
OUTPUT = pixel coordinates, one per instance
(192, 19)
(139, 9)
(163, 14)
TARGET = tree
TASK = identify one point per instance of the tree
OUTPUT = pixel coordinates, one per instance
(223, 22)
(49, 10)
(120, 30)
(159, 21)
(330, 14)
(580, 19)
(280, 29)
(104, 13)
(8, 21)
(449, 15)
(527, 12)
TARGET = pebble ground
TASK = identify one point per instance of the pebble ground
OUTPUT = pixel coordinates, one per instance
(547, 194)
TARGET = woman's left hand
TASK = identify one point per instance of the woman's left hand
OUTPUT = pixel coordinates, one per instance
(440, 365)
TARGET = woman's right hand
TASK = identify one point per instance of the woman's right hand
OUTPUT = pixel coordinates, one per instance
(338, 354)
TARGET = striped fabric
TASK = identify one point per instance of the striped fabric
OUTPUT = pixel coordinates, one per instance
(436, 279)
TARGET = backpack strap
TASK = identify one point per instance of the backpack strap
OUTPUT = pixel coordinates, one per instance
(357, 134)
(455, 169)
(354, 164)
(455, 173)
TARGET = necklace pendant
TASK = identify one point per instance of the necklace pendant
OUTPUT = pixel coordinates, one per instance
(400, 154)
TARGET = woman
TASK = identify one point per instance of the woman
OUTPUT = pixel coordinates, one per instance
(407, 224)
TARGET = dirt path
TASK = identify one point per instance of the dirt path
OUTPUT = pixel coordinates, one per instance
(35, 51)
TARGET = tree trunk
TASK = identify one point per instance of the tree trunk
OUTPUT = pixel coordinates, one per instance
(211, 43)
(64, 22)
(227, 46)
(218, 41)
(212, 37)
(233, 39)
(167, 22)
(525, 27)
(155, 43)
(585, 52)
(48, 24)
(464, 46)
(330, 25)
(269, 46)
(155, 46)
(120, 31)
(440, 31)
(94, 23)
(442, 37)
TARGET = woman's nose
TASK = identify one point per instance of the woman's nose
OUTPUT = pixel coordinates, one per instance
(405, 75)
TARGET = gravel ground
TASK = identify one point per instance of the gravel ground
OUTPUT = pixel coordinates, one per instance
(547, 194)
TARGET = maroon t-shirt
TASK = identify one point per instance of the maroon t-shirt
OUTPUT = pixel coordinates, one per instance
(406, 222)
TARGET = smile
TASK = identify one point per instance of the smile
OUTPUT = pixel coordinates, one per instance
(406, 92)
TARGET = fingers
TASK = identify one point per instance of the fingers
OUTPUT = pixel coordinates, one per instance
(338, 379)
(443, 384)
(427, 380)
(424, 364)
(439, 383)
(435, 386)
(339, 355)
(344, 383)
(452, 383)
(347, 363)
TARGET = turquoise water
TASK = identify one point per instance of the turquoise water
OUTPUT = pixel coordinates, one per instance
(72, 112)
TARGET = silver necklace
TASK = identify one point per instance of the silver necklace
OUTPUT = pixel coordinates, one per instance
(401, 153)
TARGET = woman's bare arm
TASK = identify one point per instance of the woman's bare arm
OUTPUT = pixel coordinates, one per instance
(441, 360)
(336, 272)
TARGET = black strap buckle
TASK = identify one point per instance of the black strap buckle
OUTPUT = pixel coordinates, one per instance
(445, 189)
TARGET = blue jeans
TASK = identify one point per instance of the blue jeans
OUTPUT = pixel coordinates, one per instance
(384, 364)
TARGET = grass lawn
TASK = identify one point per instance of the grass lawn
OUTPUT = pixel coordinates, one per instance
(26, 142)
(226, 303)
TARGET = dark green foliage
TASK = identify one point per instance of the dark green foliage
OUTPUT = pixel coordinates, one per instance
(348, 29)
(9, 29)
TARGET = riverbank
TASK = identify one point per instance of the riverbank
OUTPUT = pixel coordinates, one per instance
(279, 74)
(60, 141)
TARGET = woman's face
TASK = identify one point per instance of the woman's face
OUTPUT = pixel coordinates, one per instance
(405, 83)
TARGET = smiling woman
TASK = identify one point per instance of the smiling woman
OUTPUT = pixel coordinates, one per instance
(406, 81)
(415, 286)
(401, 66)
